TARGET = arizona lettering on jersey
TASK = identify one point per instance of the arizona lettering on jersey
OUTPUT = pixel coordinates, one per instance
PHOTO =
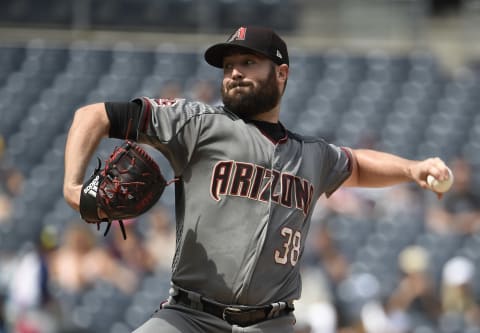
(257, 183)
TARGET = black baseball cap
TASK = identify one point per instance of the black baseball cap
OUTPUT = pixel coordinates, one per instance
(259, 40)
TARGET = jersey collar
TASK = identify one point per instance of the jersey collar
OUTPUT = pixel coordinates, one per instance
(276, 133)
(266, 128)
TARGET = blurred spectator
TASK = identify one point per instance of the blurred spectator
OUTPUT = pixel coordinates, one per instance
(206, 91)
(414, 301)
(2, 146)
(458, 296)
(35, 322)
(5, 208)
(374, 318)
(331, 259)
(325, 268)
(459, 210)
(344, 201)
(315, 310)
(400, 201)
(79, 262)
(28, 288)
(11, 186)
(67, 261)
(171, 89)
(30, 306)
(358, 295)
(11, 181)
(131, 252)
(14, 182)
(160, 237)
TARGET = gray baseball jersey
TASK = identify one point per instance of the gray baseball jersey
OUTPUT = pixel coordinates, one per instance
(243, 201)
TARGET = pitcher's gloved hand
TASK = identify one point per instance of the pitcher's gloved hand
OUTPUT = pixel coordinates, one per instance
(129, 185)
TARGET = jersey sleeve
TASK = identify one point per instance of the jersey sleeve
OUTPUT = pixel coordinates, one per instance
(171, 126)
(340, 159)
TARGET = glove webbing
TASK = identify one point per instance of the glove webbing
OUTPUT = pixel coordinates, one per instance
(120, 222)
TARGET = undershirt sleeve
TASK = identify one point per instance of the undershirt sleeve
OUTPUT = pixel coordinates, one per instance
(124, 117)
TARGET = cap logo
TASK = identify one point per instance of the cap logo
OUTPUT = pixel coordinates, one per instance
(240, 34)
(279, 54)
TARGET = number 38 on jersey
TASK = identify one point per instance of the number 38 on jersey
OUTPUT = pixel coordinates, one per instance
(290, 252)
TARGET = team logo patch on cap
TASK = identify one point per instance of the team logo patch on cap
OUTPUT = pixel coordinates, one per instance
(240, 34)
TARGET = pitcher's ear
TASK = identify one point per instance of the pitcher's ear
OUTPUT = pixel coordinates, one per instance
(282, 71)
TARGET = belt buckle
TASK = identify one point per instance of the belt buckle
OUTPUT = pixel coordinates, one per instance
(229, 310)
(237, 316)
(242, 316)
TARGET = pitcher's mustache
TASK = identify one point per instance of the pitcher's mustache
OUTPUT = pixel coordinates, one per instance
(236, 84)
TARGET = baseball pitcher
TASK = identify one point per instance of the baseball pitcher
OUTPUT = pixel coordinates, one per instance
(245, 191)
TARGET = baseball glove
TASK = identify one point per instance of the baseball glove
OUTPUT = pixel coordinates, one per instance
(129, 185)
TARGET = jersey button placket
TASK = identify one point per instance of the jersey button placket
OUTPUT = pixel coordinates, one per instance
(276, 157)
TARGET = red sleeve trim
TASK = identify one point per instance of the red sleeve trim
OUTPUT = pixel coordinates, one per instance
(348, 152)
(146, 114)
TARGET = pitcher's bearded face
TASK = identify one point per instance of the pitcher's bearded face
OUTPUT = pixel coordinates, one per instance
(245, 92)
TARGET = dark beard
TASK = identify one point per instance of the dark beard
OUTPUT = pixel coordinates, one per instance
(262, 99)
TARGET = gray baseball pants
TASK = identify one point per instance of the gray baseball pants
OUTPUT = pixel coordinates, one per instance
(180, 319)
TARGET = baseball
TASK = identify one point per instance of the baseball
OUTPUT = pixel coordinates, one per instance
(440, 186)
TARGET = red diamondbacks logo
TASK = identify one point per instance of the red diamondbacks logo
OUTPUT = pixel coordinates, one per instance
(240, 34)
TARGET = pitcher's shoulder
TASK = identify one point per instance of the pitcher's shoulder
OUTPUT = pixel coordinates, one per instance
(184, 108)
(307, 138)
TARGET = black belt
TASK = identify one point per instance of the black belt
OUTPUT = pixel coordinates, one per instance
(240, 315)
